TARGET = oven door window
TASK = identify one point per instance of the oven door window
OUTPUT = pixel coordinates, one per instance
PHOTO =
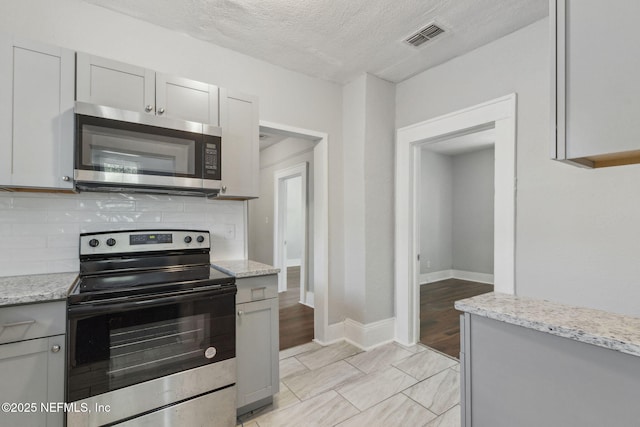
(121, 348)
(111, 146)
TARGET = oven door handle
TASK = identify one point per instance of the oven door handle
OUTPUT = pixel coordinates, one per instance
(148, 302)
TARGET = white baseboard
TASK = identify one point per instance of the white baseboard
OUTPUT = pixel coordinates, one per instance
(473, 276)
(436, 276)
(308, 300)
(333, 334)
(370, 335)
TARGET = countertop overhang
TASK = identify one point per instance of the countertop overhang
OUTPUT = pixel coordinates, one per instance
(35, 288)
(604, 329)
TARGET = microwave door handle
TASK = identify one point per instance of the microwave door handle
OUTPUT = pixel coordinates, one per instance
(115, 307)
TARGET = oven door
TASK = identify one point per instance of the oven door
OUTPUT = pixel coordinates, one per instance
(121, 343)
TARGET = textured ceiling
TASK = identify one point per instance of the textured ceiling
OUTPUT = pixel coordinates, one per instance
(337, 40)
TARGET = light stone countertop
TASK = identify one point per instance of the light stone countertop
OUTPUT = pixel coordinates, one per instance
(609, 330)
(35, 288)
(244, 268)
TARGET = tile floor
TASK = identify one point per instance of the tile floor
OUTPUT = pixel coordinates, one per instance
(340, 385)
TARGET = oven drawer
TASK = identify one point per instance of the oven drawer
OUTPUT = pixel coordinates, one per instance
(256, 288)
(24, 322)
(217, 409)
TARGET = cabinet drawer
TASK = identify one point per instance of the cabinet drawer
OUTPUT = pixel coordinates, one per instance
(23, 322)
(257, 288)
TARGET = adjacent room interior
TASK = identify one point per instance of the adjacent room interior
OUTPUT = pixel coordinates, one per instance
(456, 232)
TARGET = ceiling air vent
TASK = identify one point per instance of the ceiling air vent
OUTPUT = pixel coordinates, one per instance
(427, 33)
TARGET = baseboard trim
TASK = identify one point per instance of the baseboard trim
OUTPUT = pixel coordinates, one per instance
(436, 276)
(370, 335)
(309, 300)
(333, 334)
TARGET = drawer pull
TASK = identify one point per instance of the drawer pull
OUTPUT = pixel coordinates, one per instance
(240, 313)
(23, 323)
(55, 349)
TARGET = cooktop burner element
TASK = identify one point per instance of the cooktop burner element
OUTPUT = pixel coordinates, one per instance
(118, 264)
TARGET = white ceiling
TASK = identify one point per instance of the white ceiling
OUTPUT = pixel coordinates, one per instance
(338, 40)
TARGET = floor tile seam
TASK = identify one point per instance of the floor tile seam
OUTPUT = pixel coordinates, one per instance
(351, 404)
(413, 400)
(425, 378)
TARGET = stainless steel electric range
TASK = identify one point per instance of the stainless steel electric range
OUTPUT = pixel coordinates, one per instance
(151, 332)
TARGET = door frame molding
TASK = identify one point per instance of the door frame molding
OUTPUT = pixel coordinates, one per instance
(409, 140)
(280, 224)
(320, 223)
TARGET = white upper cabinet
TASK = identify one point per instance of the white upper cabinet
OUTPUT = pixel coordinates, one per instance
(185, 99)
(36, 135)
(595, 82)
(115, 84)
(240, 150)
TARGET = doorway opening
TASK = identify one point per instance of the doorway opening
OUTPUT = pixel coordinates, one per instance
(456, 222)
(288, 227)
(499, 114)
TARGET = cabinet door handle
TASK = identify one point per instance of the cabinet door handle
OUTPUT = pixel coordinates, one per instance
(23, 323)
(240, 313)
(223, 189)
(55, 348)
(160, 110)
(148, 108)
(66, 178)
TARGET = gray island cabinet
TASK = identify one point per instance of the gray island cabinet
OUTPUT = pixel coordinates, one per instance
(527, 362)
(257, 332)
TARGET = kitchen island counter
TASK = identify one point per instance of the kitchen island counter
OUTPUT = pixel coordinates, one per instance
(35, 288)
(609, 330)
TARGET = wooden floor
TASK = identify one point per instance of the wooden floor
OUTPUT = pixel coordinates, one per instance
(439, 320)
(296, 320)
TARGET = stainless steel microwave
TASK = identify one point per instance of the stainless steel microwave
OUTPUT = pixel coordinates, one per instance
(127, 151)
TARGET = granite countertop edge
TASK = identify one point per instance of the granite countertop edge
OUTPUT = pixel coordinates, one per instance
(35, 288)
(609, 330)
(242, 268)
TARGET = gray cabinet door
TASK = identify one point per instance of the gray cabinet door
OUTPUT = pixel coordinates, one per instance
(257, 350)
(185, 99)
(240, 153)
(596, 86)
(36, 145)
(32, 372)
(115, 84)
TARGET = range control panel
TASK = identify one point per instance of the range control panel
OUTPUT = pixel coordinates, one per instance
(131, 241)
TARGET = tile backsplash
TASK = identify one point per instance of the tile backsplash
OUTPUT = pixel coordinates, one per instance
(39, 231)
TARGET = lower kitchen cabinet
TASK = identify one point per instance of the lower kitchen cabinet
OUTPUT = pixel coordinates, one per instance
(32, 364)
(257, 342)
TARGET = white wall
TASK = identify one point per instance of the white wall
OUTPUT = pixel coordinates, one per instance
(286, 97)
(284, 154)
(436, 212)
(294, 230)
(577, 238)
(368, 111)
(40, 232)
(472, 231)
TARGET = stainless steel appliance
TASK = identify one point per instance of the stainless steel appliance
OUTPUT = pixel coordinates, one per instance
(151, 332)
(118, 150)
